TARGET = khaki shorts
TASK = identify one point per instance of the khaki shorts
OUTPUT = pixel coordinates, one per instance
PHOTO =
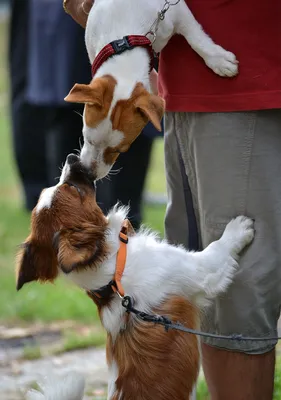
(231, 164)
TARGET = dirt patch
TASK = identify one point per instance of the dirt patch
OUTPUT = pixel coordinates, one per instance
(18, 375)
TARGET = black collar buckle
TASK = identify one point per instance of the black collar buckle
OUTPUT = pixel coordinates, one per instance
(121, 45)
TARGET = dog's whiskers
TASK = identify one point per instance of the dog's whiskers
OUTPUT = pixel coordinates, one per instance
(77, 151)
(80, 143)
(77, 112)
(114, 171)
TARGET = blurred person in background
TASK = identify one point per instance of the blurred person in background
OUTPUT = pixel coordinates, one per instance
(45, 45)
(47, 56)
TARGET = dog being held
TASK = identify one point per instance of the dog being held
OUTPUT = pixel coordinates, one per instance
(118, 102)
(71, 236)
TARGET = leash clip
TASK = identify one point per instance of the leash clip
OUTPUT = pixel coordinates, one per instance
(160, 17)
(127, 303)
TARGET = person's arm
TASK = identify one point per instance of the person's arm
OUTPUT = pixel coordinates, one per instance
(78, 10)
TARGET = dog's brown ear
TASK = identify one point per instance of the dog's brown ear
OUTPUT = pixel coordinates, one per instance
(35, 263)
(90, 94)
(98, 93)
(153, 107)
(80, 246)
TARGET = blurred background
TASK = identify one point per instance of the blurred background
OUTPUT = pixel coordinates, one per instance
(46, 328)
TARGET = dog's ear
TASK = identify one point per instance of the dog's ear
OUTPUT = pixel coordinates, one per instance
(80, 246)
(98, 93)
(35, 263)
(91, 94)
(152, 107)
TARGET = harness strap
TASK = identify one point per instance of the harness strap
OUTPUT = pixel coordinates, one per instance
(115, 286)
(121, 258)
(119, 46)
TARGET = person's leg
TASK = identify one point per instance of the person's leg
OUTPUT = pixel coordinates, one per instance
(29, 135)
(180, 218)
(232, 163)
(63, 138)
(127, 185)
(178, 229)
(28, 122)
(237, 376)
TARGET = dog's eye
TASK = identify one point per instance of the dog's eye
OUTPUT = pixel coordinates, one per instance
(78, 189)
(70, 184)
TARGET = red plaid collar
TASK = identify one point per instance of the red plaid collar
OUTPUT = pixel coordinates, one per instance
(121, 45)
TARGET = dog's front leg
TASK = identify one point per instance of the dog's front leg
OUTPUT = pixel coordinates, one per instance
(222, 62)
(216, 265)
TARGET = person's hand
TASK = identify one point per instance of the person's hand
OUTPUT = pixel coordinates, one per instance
(78, 10)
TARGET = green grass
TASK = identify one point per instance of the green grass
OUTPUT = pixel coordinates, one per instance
(31, 353)
(202, 390)
(156, 180)
(277, 381)
(74, 340)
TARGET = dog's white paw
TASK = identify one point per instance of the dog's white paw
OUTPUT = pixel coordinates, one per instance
(222, 62)
(238, 233)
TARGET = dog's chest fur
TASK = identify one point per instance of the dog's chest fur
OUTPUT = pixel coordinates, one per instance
(148, 361)
(144, 360)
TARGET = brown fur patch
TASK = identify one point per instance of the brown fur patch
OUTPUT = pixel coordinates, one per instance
(155, 364)
(71, 234)
(97, 97)
(131, 116)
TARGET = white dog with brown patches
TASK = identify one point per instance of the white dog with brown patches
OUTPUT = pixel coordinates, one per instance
(118, 102)
(71, 236)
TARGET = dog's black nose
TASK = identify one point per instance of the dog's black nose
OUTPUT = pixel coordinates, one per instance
(72, 158)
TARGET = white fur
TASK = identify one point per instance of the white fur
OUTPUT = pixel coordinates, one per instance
(47, 196)
(112, 19)
(155, 270)
(69, 387)
(112, 378)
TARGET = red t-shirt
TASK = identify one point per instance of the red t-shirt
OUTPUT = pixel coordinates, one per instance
(251, 29)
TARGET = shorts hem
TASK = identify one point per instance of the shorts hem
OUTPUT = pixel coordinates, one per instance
(249, 347)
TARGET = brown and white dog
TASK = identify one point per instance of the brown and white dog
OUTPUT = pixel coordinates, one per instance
(118, 102)
(71, 236)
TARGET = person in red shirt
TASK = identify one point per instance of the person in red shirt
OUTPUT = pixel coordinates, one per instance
(222, 152)
(223, 158)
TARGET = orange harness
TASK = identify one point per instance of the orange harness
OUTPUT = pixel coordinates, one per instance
(115, 285)
(121, 258)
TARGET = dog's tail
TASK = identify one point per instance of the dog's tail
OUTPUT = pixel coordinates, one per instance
(69, 387)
